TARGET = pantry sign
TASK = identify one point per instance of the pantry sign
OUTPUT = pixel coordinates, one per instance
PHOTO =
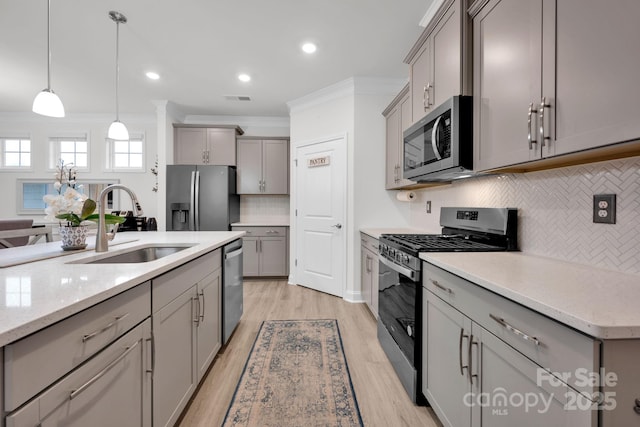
(319, 161)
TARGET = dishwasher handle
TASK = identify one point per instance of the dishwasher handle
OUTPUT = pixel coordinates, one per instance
(233, 254)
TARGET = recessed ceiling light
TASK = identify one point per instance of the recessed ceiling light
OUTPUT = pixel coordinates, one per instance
(244, 77)
(309, 47)
(152, 75)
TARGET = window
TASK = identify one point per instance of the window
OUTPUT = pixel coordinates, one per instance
(71, 150)
(16, 153)
(126, 155)
(30, 192)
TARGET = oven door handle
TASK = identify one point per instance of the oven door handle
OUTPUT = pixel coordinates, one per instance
(412, 275)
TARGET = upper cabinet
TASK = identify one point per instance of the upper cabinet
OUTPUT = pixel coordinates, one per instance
(438, 62)
(546, 84)
(263, 165)
(201, 145)
(398, 118)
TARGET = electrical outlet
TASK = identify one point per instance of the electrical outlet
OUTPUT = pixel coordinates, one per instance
(428, 206)
(604, 208)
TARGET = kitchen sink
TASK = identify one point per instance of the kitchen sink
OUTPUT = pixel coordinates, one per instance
(135, 255)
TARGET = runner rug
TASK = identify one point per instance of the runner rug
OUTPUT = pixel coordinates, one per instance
(296, 375)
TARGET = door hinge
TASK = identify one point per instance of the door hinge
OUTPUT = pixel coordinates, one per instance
(296, 161)
(296, 212)
(295, 262)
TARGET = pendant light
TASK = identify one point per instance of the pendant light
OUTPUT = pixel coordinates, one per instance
(47, 102)
(117, 131)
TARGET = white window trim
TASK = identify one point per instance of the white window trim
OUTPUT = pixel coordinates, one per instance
(4, 168)
(54, 149)
(108, 167)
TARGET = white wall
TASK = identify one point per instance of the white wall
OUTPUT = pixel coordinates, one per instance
(352, 108)
(38, 129)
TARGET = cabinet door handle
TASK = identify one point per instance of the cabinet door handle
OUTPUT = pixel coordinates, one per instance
(516, 331)
(74, 393)
(442, 288)
(471, 374)
(203, 306)
(105, 328)
(196, 319)
(153, 353)
(462, 336)
(543, 107)
(531, 134)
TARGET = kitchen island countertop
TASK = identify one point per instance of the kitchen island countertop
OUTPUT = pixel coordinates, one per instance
(601, 303)
(38, 294)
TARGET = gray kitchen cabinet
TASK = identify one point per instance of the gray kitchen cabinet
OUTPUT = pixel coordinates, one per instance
(205, 145)
(557, 87)
(263, 165)
(265, 251)
(437, 62)
(483, 354)
(118, 377)
(398, 118)
(102, 360)
(369, 271)
(187, 332)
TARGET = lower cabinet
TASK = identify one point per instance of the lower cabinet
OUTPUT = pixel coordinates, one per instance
(119, 377)
(369, 271)
(132, 360)
(472, 376)
(186, 329)
(265, 251)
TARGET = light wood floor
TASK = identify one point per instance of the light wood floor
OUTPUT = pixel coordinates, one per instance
(382, 400)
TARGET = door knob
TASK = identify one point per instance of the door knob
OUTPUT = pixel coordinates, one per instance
(338, 226)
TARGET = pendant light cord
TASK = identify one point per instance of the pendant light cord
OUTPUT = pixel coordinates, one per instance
(49, 45)
(117, 68)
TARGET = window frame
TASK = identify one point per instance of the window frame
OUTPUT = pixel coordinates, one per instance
(23, 137)
(55, 149)
(110, 155)
(97, 183)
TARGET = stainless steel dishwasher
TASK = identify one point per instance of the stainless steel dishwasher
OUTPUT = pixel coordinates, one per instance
(232, 299)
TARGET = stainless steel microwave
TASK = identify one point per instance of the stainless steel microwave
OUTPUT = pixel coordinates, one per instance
(439, 147)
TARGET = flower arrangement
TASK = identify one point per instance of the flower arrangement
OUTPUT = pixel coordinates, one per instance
(69, 203)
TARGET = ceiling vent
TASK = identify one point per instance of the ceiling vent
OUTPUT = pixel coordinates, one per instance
(237, 98)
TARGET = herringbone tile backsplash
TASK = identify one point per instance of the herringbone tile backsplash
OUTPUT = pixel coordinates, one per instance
(555, 210)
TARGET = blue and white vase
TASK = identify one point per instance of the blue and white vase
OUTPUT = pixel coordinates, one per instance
(73, 237)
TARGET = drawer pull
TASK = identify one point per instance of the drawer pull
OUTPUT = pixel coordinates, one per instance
(516, 331)
(87, 337)
(96, 377)
(442, 288)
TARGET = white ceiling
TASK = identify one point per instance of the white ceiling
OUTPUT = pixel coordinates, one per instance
(199, 47)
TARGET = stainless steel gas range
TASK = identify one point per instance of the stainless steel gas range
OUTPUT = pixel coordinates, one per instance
(400, 288)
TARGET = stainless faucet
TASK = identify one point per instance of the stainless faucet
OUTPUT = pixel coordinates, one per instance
(102, 240)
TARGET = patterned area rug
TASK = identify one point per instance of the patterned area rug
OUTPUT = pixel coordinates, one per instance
(296, 375)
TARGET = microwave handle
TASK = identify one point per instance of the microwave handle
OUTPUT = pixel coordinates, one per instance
(434, 138)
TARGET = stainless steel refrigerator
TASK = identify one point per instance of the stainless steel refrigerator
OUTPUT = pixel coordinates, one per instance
(201, 198)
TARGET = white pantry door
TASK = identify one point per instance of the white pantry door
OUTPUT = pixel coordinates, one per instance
(321, 189)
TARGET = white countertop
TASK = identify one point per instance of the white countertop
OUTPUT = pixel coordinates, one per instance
(265, 223)
(601, 303)
(40, 293)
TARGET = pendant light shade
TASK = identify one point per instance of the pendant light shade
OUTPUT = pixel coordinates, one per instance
(117, 131)
(47, 103)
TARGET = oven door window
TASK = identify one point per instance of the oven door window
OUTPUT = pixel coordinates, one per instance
(397, 308)
(428, 144)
